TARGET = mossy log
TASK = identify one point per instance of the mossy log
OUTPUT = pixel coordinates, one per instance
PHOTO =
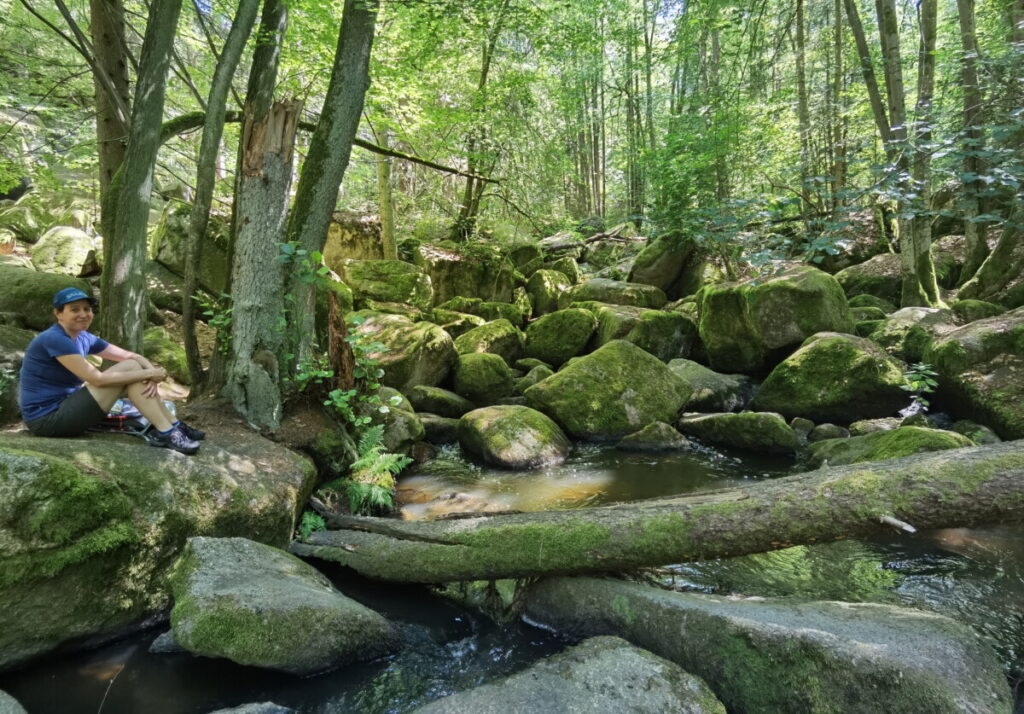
(959, 487)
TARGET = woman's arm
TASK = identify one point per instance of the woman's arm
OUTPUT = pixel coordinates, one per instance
(81, 368)
(117, 354)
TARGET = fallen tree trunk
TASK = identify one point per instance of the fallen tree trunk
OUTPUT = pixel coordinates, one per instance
(961, 487)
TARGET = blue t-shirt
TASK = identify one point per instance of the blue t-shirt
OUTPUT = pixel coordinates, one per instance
(45, 382)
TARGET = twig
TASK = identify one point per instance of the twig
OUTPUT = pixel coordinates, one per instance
(109, 685)
(898, 524)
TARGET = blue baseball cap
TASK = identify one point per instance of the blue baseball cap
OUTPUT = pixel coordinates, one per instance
(63, 297)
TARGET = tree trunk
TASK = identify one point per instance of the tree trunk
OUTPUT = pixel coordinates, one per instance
(124, 271)
(838, 113)
(961, 487)
(209, 150)
(868, 71)
(111, 53)
(386, 201)
(327, 159)
(803, 112)
(975, 233)
(1003, 264)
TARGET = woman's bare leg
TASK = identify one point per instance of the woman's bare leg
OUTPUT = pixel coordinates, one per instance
(152, 408)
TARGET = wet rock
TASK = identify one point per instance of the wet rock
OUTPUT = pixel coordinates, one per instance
(754, 431)
(560, 335)
(762, 655)
(834, 377)
(748, 327)
(601, 675)
(610, 393)
(658, 436)
(482, 378)
(513, 437)
(883, 445)
(438, 429)
(262, 607)
(713, 392)
(166, 644)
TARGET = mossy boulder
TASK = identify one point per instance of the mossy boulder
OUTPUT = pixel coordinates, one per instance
(454, 270)
(95, 523)
(568, 267)
(907, 333)
(387, 281)
(614, 292)
(535, 375)
(29, 294)
(352, 235)
(13, 341)
(482, 378)
(545, 288)
(978, 433)
(439, 401)
(837, 378)
(513, 437)
(822, 432)
(880, 277)
(499, 337)
(455, 323)
(612, 392)
(749, 327)
(883, 445)
(559, 335)
(169, 238)
(752, 431)
(666, 335)
(657, 436)
(863, 314)
(523, 253)
(67, 251)
(971, 310)
(865, 300)
(713, 392)
(601, 675)
(673, 263)
(439, 430)
(260, 606)
(981, 372)
(160, 347)
(402, 430)
(870, 426)
(504, 311)
(416, 353)
(764, 655)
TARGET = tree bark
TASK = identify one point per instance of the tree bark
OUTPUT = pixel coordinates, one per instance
(961, 487)
(868, 71)
(386, 202)
(975, 233)
(124, 280)
(111, 51)
(209, 151)
(327, 159)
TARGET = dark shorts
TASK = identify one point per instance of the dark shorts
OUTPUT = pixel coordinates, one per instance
(74, 415)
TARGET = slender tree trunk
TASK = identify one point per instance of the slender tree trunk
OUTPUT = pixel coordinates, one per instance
(960, 487)
(838, 113)
(803, 111)
(124, 273)
(386, 201)
(111, 52)
(975, 233)
(868, 72)
(1003, 264)
(328, 156)
(209, 151)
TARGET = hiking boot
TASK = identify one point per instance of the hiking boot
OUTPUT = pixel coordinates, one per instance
(191, 432)
(174, 439)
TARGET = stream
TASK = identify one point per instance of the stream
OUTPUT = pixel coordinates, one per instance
(973, 575)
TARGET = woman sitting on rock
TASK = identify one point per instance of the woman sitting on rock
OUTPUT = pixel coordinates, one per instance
(52, 398)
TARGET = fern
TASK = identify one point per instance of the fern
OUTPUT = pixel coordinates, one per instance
(310, 523)
(367, 498)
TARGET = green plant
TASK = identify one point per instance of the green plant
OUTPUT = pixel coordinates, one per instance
(217, 311)
(310, 523)
(370, 486)
(368, 498)
(920, 381)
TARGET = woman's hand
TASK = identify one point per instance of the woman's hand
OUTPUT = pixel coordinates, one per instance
(150, 389)
(157, 374)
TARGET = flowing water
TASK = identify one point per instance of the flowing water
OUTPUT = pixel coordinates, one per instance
(975, 576)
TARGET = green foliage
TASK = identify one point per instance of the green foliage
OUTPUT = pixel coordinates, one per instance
(370, 486)
(217, 311)
(368, 498)
(373, 460)
(920, 381)
(310, 523)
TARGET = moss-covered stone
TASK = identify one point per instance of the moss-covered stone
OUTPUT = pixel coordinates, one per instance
(869, 426)
(454, 270)
(567, 266)
(781, 656)
(880, 276)
(522, 254)
(482, 378)
(159, 346)
(863, 314)
(614, 292)
(545, 288)
(455, 323)
(883, 445)
(416, 353)
(657, 436)
(748, 327)
(834, 377)
(387, 281)
(981, 372)
(262, 607)
(67, 251)
(821, 432)
(439, 401)
(13, 341)
(907, 333)
(499, 337)
(666, 335)
(713, 392)
(94, 524)
(610, 393)
(866, 300)
(402, 430)
(168, 239)
(864, 328)
(557, 336)
(971, 310)
(535, 375)
(978, 433)
(528, 363)
(438, 429)
(513, 437)
(673, 262)
(29, 294)
(504, 311)
(753, 431)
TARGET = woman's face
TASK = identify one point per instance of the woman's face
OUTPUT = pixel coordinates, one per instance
(74, 316)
